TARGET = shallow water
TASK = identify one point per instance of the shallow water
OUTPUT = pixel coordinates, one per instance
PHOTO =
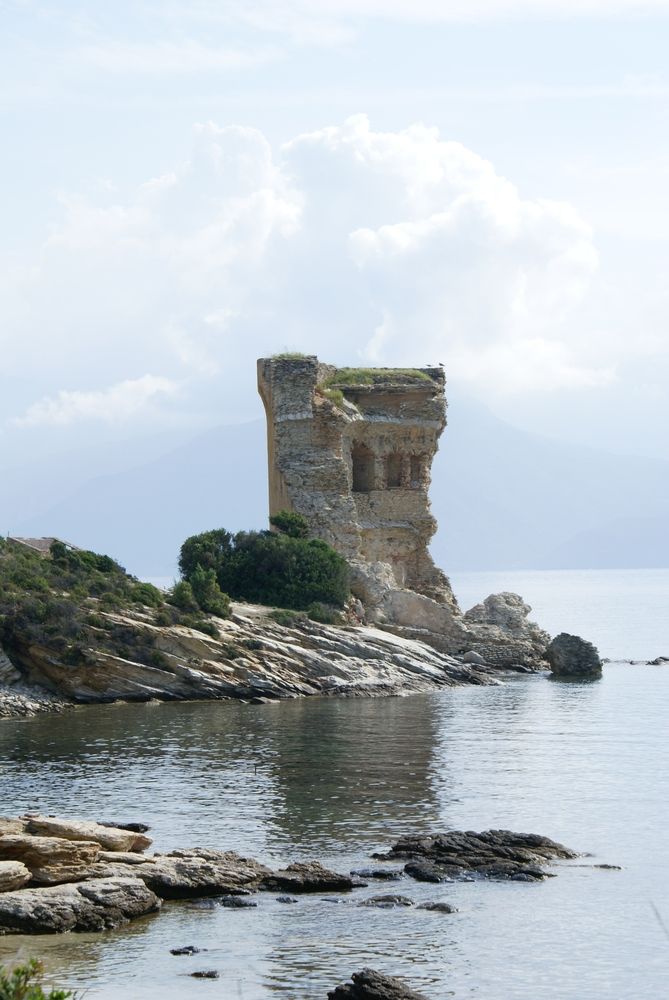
(583, 763)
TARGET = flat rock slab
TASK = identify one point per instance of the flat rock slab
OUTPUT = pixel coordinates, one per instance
(108, 837)
(308, 876)
(371, 985)
(97, 905)
(51, 860)
(495, 854)
(13, 875)
(191, 874)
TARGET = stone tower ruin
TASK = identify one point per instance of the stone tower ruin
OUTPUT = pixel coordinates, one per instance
(352, 450)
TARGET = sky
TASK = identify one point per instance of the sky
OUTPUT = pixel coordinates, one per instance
(189, 186)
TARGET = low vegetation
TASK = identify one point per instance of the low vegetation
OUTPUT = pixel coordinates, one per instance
(26, 982)
(281, 568)
(373, 376)
(289, 356)
(60, 600)
(72, 601)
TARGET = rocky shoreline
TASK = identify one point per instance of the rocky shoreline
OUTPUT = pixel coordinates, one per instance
(250, 657)
(59, 875)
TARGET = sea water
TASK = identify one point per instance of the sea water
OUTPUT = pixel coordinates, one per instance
(335, 780)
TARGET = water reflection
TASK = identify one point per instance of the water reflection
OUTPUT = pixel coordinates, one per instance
(337, 779)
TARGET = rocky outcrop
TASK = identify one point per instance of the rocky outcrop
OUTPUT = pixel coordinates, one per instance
(252, 657)
(192, 874)
(96, 905)
(371, 985)
(49, 884)
(18, 699)
(108, 838)
(308, 876)
(51, 860)
(571, 656)
(495, 854)
(352, 451)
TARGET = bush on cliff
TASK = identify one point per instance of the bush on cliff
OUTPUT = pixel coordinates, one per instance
(283, 568)
(58, 602)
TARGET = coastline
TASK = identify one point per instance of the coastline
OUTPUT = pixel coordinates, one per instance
(254, 659)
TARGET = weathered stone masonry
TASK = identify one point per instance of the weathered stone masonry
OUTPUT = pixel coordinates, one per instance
(355, 459)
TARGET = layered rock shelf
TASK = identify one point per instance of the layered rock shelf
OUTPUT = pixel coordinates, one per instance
(92, 877)
(252, 658)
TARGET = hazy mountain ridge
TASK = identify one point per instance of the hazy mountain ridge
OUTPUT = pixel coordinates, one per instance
(504, 499)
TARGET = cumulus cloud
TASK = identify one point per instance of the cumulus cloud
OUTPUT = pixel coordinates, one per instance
(114, 404)
(382, 247)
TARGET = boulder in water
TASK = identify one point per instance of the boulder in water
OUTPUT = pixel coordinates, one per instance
(571, 656)
(371, 985)
(98, 905)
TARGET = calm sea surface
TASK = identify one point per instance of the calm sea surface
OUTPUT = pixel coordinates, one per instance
(584, 763)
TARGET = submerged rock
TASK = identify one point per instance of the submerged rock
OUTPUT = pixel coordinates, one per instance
(438, 907)
(236, 902)
(495, 854)
(388, 901)
(384, 874)
(571, 656)
(308, 876)
(97, 905)
(205, 974)
(188, 949)
(371, 985)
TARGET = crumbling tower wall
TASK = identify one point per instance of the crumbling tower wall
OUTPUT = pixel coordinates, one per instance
(355, 457)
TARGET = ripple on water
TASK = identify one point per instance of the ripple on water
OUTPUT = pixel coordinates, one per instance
(336, 780)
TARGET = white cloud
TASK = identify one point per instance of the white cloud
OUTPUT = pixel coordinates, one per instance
(388, 247)
(117, 403)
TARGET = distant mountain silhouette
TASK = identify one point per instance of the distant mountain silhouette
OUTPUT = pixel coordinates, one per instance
(504, 499)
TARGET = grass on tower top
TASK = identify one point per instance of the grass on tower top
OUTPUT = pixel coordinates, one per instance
(289, 356)
(375, 376)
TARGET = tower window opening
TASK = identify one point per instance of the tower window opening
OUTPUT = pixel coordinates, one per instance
(393, 470)
(362, 464)
(416, 471)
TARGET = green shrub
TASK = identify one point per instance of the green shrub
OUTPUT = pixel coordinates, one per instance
(208, 594)
(289, 356)
(206, 626)
(324, 613)
(290, 619)
(230, 651)
(207, 550)
(167, 616)
(157, 659)
(263, 567)
(336, 396)
(182, 597)
(146, 593)
(290, 523)
(25, 982)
